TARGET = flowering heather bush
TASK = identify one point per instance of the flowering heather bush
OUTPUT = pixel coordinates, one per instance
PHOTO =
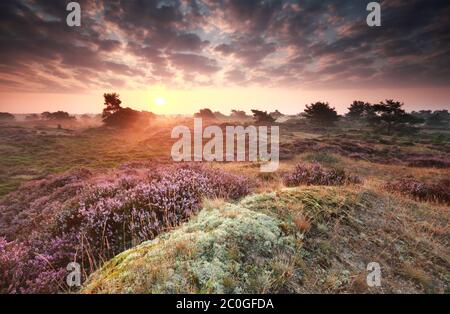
(35, 266)
(34, 203)
(315, 174)
(209, 254)
(101, 219)
(11, 255)
(434, 192)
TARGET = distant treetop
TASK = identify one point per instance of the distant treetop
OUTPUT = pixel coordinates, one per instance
(5, 116)
(58, 115)
(262, 116)
(321, 113)
(205, 114)
(112, 103)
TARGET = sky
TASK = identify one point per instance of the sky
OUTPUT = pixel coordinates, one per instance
(177, 56)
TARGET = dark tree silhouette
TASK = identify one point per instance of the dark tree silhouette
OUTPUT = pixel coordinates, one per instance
(116, 116)
(125, 117)
(433, 118)
(5, 116)
(86, 117)
(112, 103)
(359, 110)
(424, 114)
(58, 115)
(276, 114)
(219, 115)
(321, 113)
(262, 116)
(390, 115)
(32, 117)
(436, 119)
(46, 115)
(238, 114)
(205, 114)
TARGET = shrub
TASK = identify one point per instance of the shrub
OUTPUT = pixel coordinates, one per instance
(127, 117)
(320, 113)
(105, 217)
(11, 257)
(5, 116)
(205, 114)
(35, 203)
(262, 117)
(209, 254)
(314, 174)
(58, 115)
(434, 192)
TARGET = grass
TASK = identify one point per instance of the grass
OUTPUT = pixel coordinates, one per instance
(336, 231)
(323, 158)
(209, 254)
(332, 234)
(27, 154)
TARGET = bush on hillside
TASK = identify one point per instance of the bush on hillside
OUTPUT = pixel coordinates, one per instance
(224, 250)
(315, 174)
(5, 116)
(100, 219)
(433, 192)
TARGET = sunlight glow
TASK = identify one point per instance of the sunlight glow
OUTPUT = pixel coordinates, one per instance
(159, 101)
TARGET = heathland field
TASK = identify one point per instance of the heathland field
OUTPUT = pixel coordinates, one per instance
(115, 202)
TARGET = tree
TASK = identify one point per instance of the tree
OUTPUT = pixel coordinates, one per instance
(359, 110)
(321, 113)
(424, 114)
(390, 115)
(276, 114)
(86, 117)
(262, 116)
(124, 117)
(46, 115)
(205, 114)
(58, 115)
(32, 117)
(436, 119)
(112, 103)
(444, 114)
(116, 116)
(5, 116)
(219, 115)
(238, 114)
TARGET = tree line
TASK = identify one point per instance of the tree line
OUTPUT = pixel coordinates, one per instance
(387, 115)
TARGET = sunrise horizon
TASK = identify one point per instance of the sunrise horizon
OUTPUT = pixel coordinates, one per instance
(231, 55)
(224, 100)
(224, 155)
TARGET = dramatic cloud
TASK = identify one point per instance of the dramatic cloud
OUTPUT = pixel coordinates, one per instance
(184, 43)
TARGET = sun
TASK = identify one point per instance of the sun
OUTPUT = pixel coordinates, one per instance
(159, 101)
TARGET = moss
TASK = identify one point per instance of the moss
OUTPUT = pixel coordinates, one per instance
(226, 249)
(319, 205)
(251, 247)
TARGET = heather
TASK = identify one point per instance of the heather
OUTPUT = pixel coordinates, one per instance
(315, 174)
(93, 220)
(121, 192)
(374, 148)
(307, 239)
(423, 191)
(209, 254)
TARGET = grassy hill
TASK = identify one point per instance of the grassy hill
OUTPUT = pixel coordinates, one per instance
(113, 201)
(296, 240)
